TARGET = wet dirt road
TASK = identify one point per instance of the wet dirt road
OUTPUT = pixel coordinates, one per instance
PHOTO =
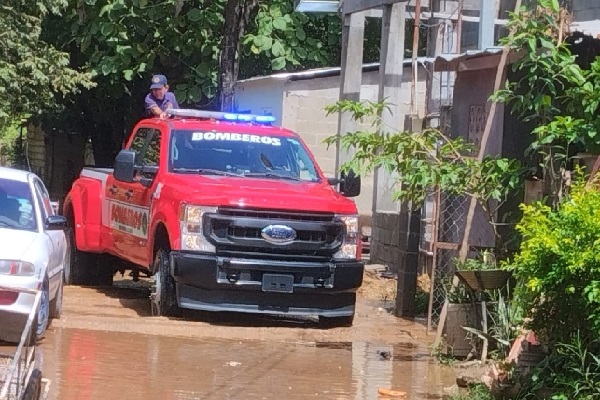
(107, 346)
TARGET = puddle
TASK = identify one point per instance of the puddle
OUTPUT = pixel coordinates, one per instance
(82, 364)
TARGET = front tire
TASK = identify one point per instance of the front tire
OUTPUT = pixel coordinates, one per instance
(57, 303)
(43, 316)
(163, 299)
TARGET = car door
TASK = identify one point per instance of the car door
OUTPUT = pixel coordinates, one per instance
(129, 203)
(56, 239)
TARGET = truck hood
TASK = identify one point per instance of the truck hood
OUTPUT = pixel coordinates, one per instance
(213, 190)
(15, 243)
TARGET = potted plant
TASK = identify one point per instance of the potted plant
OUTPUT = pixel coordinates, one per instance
(481, 274)
(461, 313)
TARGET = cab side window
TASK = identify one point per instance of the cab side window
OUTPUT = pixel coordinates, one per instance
(152, 154)
(139, 141)
(146, 144)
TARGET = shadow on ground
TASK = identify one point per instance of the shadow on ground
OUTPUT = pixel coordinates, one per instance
(135, 296)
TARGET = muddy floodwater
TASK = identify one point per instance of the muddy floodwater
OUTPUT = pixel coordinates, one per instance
(107, 347)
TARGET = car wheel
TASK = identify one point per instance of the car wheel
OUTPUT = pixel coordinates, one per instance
(44, 311)
(56, 305)
(67, 261)
(163, 295)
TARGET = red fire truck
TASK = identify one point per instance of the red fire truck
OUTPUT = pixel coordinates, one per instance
(225, 212)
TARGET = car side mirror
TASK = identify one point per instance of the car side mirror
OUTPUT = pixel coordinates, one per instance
(349, 184)
(125, 166)
(56, 223)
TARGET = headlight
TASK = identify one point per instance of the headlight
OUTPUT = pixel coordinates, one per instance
(192, 237)
(19, 268)
(350, 249)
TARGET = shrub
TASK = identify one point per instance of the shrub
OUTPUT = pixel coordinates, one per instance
(572, 371)
(558, 266)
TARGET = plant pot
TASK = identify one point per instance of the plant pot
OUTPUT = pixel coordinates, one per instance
(488, 279)
(457, 339)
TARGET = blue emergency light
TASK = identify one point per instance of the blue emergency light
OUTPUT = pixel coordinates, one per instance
(191, 113)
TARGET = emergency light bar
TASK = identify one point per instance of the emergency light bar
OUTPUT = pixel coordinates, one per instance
(191, 113)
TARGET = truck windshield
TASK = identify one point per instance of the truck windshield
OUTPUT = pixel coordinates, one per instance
(240, 154)
(17, 210)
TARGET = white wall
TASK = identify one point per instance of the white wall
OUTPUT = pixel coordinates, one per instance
(263, 97)
(299, 105)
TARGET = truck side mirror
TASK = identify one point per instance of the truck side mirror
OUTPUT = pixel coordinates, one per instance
(349, 184)
(125, 166)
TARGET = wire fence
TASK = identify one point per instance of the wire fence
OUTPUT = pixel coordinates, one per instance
(450, 223)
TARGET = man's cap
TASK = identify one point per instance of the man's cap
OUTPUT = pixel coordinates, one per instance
(158, 81)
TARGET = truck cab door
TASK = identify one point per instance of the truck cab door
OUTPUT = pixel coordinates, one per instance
(130, 201)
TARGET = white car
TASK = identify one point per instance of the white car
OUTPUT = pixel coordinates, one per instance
(33, 252)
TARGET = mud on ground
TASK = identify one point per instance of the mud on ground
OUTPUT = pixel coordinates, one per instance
(107, 345)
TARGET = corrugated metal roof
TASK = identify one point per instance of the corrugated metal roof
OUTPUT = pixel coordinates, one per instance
(591, 28)
(324, 72)
(451, 62)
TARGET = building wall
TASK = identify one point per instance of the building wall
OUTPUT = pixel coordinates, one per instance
(469, 111)
(585, 10)
(304, 112)
(262, 97)
(35, 150)
(56, 159)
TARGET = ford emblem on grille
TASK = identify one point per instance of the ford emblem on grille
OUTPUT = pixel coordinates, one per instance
(278, 234)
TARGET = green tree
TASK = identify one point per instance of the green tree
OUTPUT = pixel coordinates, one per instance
(421, 162)
(34, 75)
(552, 92)
(199, 45)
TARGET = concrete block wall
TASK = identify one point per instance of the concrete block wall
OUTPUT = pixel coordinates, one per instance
(304, 103)
(389, 230)
(304, 112)
(395, 244)
(585, 10)
(57, 160)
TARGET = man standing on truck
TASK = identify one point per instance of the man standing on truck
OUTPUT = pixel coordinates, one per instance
(159, 99)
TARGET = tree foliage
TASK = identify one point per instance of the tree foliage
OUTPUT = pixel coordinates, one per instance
(424, 161)
(34, 75)
(559, 97)
(125, 41)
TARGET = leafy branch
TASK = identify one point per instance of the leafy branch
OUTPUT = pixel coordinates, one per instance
(421, 162)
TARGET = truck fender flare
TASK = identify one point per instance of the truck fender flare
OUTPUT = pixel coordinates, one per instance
(160, 223)
(72, 209)
(84, 200)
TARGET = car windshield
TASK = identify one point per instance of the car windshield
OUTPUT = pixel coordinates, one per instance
(17, 210)
(240, 154)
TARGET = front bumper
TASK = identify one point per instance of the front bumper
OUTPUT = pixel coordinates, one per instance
(13, 317)
(212, 283)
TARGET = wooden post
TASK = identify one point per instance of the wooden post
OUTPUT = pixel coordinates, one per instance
(464, 248)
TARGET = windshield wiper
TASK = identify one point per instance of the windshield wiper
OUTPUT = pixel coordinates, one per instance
(271, 175)
(205, 171)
